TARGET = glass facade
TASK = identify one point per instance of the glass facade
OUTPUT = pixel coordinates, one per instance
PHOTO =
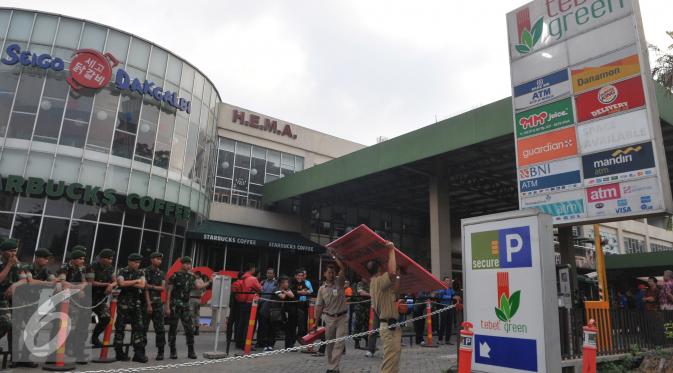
(242, 169)
(108, 138)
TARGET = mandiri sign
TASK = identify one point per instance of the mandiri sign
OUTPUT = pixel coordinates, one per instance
(585, 116)
(510, 292)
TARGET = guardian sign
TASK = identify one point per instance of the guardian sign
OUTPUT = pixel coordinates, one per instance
(510, 288)
(584, 111)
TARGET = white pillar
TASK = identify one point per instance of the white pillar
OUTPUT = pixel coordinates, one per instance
(440, 225)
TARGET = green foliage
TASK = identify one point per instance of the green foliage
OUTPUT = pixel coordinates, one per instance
(663, 70)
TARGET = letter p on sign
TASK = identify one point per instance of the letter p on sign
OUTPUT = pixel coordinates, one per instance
(514, 246)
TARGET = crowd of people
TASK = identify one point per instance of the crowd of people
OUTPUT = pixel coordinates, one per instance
(654, 296)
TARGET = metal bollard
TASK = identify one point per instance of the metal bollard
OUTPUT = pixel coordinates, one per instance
(428, 323)
(465, 349)
(103, 357)
(589, 348)
(251, 325)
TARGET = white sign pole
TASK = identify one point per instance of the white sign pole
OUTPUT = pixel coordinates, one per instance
(510, 292)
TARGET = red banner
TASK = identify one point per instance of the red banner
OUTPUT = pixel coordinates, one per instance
(609, 99)
(204, 270)
(361, 245)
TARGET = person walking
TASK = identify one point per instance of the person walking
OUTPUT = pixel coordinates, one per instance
(331, 308)
(131, 281)
(446, 298)
(383, 286)
(101, 277)
(155, 285)
(177, 306)
(249, 286)
(269, 287)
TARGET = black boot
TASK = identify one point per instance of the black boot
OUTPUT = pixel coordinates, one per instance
(160, 353)
(120, 355)
(95, 342)
(357, 344)
(174, 352)
(139, 355)
(190, 352)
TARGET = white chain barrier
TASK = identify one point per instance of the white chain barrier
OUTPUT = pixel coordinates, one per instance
(262, 354)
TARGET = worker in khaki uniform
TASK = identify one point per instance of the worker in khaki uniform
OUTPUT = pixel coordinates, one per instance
(331, 306)
(383, 286)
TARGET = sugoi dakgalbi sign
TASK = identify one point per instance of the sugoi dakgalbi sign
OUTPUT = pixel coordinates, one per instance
(584, 111)
(510, 292)
(94, 70)
(91, 195)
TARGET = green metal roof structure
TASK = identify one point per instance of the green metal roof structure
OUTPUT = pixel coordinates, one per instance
(476, 148)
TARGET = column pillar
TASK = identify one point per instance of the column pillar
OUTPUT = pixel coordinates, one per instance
(440, 223)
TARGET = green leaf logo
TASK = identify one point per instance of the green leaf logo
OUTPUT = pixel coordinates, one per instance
(530, 38)
(508, 306)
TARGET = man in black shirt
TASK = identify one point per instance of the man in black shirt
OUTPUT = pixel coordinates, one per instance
(299, 322)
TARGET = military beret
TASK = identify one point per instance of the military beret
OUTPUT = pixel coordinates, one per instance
(156, 255)
(106, 253)
(76, 254)
(186, 259)
(134, 257)
(9, 244)
(79, 248)
(43, 253)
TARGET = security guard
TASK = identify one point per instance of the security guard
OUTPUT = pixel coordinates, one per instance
(177, 306)
(102, 279)
(155, 284)
(73, 273)
(131, 280)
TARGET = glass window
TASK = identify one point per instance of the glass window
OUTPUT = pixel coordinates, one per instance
(117, 44)
(129, 112)
(177, 249)
(198, 85)
(139, 183)
(93, 37)
(145, 144)
(139, 54)
(39, 165)
(150, 110)
(19, 28)
(79, 105)
(102, 120)
(152, 221)
(49, 120)
(7, 201)
(31, 205)
(4, 21)
(122, 144)
(56, 86)
(162, 154)
(168, 224)
(107, 237)
(243, 155)
(117, 178)
(53, 235)
(58, 207)
(21, 125)
(5, 224)
(166, 124)
(187, 79)
(299, 164)
(158, 61)
(13, 162)
(241, 176)
(129, 245)
(28, 93)
(82, 233)
(257, 168)
(85, 212)
(273, 162)
(148, 245)
(165, 248)
(133, 218)
(26, 230)
(9, 77)
(73, 133)
(111, 213)
(172, 191)
(174, 69)
(178, 152)
(68, 33)
(93, 173)
(44, 29)
(190, 152)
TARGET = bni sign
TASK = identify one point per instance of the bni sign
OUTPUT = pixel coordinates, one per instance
(510, 292)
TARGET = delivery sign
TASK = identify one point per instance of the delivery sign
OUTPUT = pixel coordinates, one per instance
(545, 118)
(610, 99)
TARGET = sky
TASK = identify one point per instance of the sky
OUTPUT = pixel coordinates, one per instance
(356, 69)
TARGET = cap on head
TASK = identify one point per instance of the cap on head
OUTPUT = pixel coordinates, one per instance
(79, 248)
(77, 254)
(43, 253)
(186, 259)
(156, 255)
(135, 257)
(9, 244)
(107, 254)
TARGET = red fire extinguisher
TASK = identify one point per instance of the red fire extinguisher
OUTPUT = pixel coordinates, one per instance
(465, 349)
(589, 348)
(312, 336)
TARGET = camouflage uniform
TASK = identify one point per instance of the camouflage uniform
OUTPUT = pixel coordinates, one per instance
(36, 273)
(155, 276)
(361, 310)
(182, 282)
(80, 316)
(130, 311)
(5, 314)
(99, 273)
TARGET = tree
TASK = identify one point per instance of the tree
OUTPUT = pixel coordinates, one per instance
(663, 71)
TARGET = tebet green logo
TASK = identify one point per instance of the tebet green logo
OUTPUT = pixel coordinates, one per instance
(508, 305)
(528, 36)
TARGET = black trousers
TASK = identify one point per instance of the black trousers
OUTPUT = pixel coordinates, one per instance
(242, 321)
(419, 325)
(445, 324)
(266, 336)
(291, 330)
(302, 320)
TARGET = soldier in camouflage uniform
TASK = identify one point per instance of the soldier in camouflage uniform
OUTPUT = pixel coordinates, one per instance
(102, 279)
(131, 280)
(155, 284)
(361, 310)
(73, 274)
(177, 306)
(37, 272)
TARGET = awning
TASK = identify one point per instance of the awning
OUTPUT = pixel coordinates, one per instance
(658, 260)
(246, 235)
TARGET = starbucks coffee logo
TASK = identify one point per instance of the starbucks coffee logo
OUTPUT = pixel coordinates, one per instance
(607, 94)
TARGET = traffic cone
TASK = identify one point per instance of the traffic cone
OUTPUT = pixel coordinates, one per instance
(428, 323)
(251, 325)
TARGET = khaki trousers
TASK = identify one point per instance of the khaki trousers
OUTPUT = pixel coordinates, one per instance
(335, 327)
(392, 349)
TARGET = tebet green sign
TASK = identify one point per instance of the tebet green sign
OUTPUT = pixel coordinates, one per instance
(92, 195)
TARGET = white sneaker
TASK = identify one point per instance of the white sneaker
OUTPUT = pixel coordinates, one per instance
(368, 354)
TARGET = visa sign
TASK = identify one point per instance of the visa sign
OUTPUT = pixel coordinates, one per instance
(631, 197)
(545, 118)
(504, 248)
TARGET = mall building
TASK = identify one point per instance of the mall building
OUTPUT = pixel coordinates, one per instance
(110, 141)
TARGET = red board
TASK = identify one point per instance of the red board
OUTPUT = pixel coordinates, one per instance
(609, 99)
(361, 245)
(203, 269)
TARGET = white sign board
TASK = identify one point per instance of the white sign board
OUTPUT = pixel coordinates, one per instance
(510, 292)
(587, 59)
